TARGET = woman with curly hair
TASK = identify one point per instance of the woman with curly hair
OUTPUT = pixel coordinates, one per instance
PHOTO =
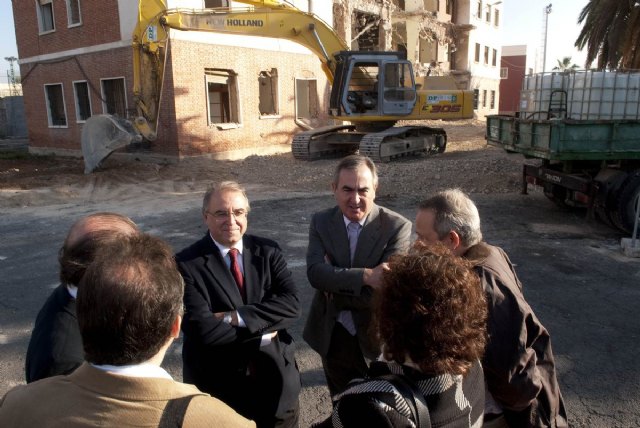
(430, 317)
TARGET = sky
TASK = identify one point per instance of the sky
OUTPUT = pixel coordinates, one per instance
(523, 23)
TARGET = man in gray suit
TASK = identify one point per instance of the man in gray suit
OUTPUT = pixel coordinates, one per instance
(349, 245)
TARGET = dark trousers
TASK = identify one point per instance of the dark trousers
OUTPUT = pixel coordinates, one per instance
(344, 361)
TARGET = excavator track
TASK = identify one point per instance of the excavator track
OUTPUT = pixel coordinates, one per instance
(403, 141)
(323, 142)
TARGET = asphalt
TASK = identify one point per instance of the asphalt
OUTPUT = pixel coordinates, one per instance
(581, 286)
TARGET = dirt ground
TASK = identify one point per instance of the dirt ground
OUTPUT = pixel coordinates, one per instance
(468, 163)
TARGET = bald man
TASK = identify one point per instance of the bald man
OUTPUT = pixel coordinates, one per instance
(55, 347)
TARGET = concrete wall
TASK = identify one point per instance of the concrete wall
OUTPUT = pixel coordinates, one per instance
(12, 118)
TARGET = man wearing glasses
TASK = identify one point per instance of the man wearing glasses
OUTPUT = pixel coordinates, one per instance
(239, 299)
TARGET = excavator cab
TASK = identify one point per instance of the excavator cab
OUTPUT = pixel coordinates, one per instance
(372, 84)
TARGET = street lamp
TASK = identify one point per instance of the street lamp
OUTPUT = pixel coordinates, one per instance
(547, 11)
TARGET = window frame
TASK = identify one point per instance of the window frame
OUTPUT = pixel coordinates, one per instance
(477, 53)
(233, 89)
(48, 105)
(496, 17)
(76, 99)
(275, 81)
(486, 55)
(492, 99)
(479, 10)
(484, 98)
(103, 95)
(494, 58)
(40, 4)
(504, 72)
(69, 23)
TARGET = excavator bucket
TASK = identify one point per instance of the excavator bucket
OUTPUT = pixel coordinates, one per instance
(102, 135)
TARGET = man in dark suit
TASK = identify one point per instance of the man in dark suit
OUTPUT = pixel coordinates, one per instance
(239, 299)
(349, 245)
(56, 347)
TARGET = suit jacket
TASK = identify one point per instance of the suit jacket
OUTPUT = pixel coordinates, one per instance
(518, 363)
(55, 347)
(338, 284)
(92, 397)
(228, 362)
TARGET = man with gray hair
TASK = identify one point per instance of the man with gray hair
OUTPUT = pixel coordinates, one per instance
(520, 375)
(239, 299)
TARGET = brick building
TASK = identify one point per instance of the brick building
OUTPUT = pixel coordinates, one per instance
(224, 96)
(514, 65)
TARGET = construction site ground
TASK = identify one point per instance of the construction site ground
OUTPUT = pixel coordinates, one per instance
(581, 286)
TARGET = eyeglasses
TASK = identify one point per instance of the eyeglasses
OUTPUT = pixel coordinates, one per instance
(223, 215)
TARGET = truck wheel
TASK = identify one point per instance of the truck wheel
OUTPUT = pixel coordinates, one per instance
(623, 213)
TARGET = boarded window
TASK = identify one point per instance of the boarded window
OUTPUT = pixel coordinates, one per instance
(44, 10)
(306, 99)
(268, 91)
(55, 105)
(222, 96)
(83, 103)
(114, 97)
(73, 12)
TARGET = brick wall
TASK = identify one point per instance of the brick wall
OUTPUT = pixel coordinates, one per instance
(89, 67)
(100, 24)
(187, 92)
(511, 86)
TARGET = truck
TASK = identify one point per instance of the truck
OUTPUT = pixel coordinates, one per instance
(371, 90)
(580, 131)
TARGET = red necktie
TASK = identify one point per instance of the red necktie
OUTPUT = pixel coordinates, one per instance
(236, 272)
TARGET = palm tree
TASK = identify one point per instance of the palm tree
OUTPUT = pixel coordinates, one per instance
(565, 65)
(611, 33)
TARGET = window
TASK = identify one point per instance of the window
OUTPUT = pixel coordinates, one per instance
(306, 99)
(486, 55)
(216, 3)
(73, 13)
(477, 54)
(55, 105)
(83, 103)
(492, 103)
(487, 15)
(479, 9)
(504, 73)
(44, 9)
(494, 58)
(496, 18)
(484, 98)
(268, 92)
(222, 96)
(114, 98)
(448, 6)
(476, 95)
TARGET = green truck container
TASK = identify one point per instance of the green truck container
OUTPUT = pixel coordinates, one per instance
(592, 164)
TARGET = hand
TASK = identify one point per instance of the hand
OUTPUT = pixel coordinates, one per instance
(234, 317)
(373, 277)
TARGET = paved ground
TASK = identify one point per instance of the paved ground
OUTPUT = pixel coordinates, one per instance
(581, 287)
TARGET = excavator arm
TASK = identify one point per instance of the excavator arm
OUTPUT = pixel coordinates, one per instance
(266, 18)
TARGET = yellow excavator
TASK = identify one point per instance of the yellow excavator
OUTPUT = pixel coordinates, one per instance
(372, 90)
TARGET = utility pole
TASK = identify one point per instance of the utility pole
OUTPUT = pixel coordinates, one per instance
(13, 89)
(547, 11)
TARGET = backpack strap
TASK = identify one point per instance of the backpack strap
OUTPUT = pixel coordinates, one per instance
(174, 411)
(413, 396)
